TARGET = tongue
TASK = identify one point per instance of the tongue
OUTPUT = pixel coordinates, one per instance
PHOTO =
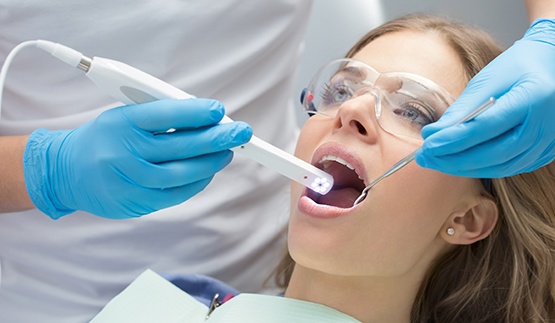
(343, 197)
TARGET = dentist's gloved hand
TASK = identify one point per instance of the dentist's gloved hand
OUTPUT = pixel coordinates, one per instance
(116, 166)
(515, 135)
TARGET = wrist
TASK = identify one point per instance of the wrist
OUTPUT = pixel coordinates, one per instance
(38, 177)
(542, 29)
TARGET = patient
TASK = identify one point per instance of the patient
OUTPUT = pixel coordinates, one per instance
(422, 246)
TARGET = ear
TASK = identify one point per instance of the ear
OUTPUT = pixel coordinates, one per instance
(472, 224)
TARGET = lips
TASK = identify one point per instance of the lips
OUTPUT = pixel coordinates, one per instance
(348, 173)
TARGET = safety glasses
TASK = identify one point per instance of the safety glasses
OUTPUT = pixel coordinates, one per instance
(404, 103)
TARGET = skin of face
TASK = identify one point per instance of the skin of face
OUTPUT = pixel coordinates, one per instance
(398, 230)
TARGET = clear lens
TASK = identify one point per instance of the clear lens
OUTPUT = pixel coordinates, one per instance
(404, 103)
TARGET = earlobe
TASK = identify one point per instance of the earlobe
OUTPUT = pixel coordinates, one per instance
(473, 224)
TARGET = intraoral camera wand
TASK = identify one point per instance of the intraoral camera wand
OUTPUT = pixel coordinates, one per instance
(403, 162)
(131, 86)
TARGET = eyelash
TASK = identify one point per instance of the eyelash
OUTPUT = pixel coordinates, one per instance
(330, 90)
(420, 109)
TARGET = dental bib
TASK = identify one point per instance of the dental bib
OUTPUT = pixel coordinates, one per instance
(151, 298)
(253, 308)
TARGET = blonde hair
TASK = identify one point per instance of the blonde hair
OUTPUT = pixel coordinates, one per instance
(508, 276)
(473, 46)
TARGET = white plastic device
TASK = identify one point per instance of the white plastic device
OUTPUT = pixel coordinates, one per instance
(130, 86)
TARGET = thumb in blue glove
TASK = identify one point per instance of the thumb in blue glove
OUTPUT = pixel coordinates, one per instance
(515, 135)
(123, 164)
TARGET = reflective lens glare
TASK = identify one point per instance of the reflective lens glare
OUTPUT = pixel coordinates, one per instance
(404, 103)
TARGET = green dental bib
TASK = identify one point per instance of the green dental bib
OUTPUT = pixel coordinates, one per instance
(251, 308)
(151, 298)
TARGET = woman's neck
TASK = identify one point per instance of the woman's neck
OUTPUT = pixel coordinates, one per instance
(366, 299)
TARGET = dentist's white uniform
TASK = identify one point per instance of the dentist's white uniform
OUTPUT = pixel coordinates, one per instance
(244, 53)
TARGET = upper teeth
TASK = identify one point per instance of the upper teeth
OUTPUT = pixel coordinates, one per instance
(328, 158)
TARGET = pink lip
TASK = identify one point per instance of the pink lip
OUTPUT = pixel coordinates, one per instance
(307, 206)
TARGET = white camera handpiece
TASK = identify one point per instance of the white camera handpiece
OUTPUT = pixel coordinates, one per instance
(130, 86)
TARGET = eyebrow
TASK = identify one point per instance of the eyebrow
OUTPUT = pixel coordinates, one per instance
(354, 71)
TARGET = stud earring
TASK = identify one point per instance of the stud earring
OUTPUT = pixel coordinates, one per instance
(450, 231)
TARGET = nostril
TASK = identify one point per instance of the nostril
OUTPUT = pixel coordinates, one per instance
(359, 127)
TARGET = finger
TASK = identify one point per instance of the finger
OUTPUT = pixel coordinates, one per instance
(506, 169)
(502, 156)
(161, 115)
(176, 173)
(506, 114)
(471, 162)
(162, 199)
(509, 167)
(543, 161)
(190, 143)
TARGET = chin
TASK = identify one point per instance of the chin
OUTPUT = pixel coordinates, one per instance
(320, 248)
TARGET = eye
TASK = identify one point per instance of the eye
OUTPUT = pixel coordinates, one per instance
(336, 93)
(415, 112)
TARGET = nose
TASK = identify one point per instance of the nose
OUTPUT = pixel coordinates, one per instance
(358, 116)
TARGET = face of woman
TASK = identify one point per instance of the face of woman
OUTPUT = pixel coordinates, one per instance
(400, 224)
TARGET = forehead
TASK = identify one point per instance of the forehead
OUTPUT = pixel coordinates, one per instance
(422, 53)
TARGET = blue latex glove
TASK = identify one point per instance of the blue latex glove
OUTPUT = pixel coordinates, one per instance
(515, 135)
(122, 165)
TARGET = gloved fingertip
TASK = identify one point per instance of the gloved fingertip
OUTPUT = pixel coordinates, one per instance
(429, 130)
(420, 159)
(427, 162)
(243, 132)
(217, 110)
(426, 150)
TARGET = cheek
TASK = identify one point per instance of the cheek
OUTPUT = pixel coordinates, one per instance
(309, 138)
(405, 216)
(421, 198)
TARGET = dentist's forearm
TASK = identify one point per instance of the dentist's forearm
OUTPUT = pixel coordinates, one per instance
(540, 9)
(13, 193)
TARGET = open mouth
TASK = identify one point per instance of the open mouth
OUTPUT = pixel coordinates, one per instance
(348, 184)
